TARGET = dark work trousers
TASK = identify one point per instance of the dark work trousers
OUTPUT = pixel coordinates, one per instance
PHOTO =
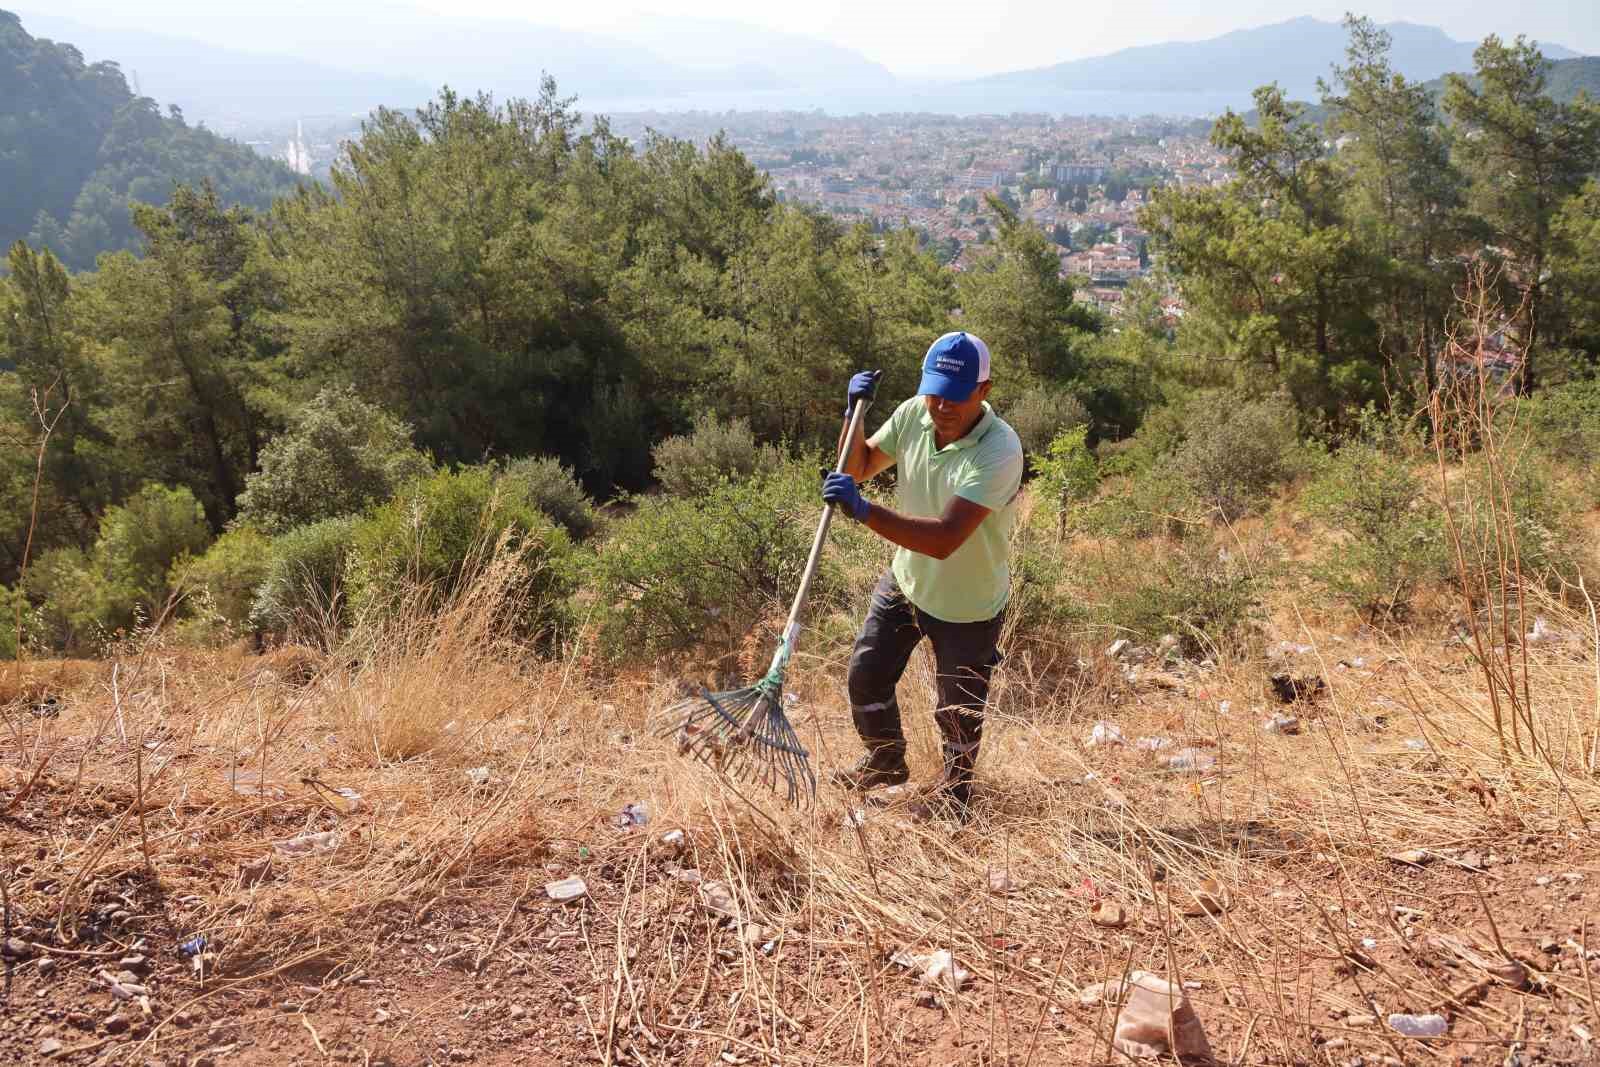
(965, 655)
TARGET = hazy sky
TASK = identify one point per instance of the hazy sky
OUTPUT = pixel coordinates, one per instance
(952, 37)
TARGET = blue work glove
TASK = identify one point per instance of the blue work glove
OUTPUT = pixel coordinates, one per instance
(862, 387)
(841, 490)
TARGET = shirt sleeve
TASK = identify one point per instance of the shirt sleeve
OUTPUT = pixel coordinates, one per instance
(992, 481)
(887, 439)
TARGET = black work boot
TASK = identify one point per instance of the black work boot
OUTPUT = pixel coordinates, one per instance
(948, 796)
(882, 766)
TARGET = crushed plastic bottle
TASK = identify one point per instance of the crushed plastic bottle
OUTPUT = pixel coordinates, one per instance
(307, 843)
(1105, 733)
(1418, 1025)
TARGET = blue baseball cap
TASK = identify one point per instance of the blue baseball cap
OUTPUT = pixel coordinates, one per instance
(955, 365)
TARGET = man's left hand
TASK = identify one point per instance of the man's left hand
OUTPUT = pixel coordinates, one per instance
(842, 490)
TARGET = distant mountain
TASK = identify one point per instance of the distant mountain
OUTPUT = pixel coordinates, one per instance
(325, 58)
(1294, 54)
(213, 84)
(78, 145)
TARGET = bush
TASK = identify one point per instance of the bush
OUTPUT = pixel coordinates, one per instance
(1565, 424)
(682, 571)
(554, 490)
(715, 451)
(72, 603)
(437, 530)
(1155, 501)
(302, 594)
(226, 579)
(1391, 538)
(1200, 591)
(1235, 451)
(139, 542)
(339, 456)
(1041, 414)
(13, 601)
(1549, 540)
(1066, 474)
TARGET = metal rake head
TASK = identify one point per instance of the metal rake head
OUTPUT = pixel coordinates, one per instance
(744, 734)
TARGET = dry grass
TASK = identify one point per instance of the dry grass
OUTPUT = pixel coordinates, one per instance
(176, 778)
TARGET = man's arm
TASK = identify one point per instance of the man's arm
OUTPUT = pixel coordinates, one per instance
(864, 461)
(931, 537)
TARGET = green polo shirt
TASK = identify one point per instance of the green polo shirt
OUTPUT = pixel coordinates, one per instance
(985, 467)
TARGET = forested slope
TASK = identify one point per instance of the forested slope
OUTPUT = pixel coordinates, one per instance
(76, 145)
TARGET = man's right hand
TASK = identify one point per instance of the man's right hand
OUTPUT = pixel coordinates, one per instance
(862, 387)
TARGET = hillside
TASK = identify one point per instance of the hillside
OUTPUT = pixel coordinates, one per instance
(78, 145)
(1294, 54)
(213, 83)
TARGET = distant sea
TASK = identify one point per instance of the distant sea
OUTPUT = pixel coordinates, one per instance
(936, 99)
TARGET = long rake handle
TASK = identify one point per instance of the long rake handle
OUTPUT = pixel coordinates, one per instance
(791, 629)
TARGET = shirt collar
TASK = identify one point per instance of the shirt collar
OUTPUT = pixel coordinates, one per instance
(974, 435)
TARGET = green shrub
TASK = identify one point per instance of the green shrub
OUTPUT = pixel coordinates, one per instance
(339, 456)
(554, 490)
(303, 591)
(72, 603)
(1391, 538)
(1564, 423)
(682, 571)
(1235, 451)
(1065, 475)
(1201, 591)
(437, 530)
(14, 605)
(715, 451)
(1155, 501)
(225, 580)
(1549, 540)
(1041, 414)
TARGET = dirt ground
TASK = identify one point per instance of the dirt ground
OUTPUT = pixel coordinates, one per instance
(1300, 890)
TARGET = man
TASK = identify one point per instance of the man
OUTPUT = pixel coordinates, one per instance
(959, 467)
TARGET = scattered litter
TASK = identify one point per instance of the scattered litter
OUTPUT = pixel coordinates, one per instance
(1109, 914)
(1543, 633)
(675, 841)
(353, 803)
(685, 874)
(936, 968)
(478, 776)
(855, 818)
(1282, 724)
(1152, 744)
(1356, 663)
(1093, 994)
(1414, 857)
(1418, 1025)
(753, 934)
(307, 843)
(1157, 1019)
(1416, 744)
(1191, 759)
(48, 708)
(1225, 708)
(194, 945)
(248, 783)
(631, 816)
(1210, 898)
(566, 889)
(256, 871)
(718, 898)
(941, 969)
(1105, 733)
(1000, 882)
(1286, 648)
(1369, 943)
(1117, 647)
(1289, 688)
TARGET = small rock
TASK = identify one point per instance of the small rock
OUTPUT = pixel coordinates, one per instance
(1109, 914)
(1549, 945)
(478, 776)
(566, 889)
(718, 898)
(115, 1024)
(518, 1011)
(46, 967)
(14, 948)
(1210, 898)
(1093, 994)
(1418, 1025)
(135, 962)
(1282, 724)
(1000, 881)
(50, 1046)
(1117, 647)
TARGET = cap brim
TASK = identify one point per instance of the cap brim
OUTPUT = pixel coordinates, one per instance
(940, 385)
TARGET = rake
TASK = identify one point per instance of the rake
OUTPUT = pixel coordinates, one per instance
(744, 733)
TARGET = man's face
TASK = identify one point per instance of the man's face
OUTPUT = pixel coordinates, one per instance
(952, 420)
